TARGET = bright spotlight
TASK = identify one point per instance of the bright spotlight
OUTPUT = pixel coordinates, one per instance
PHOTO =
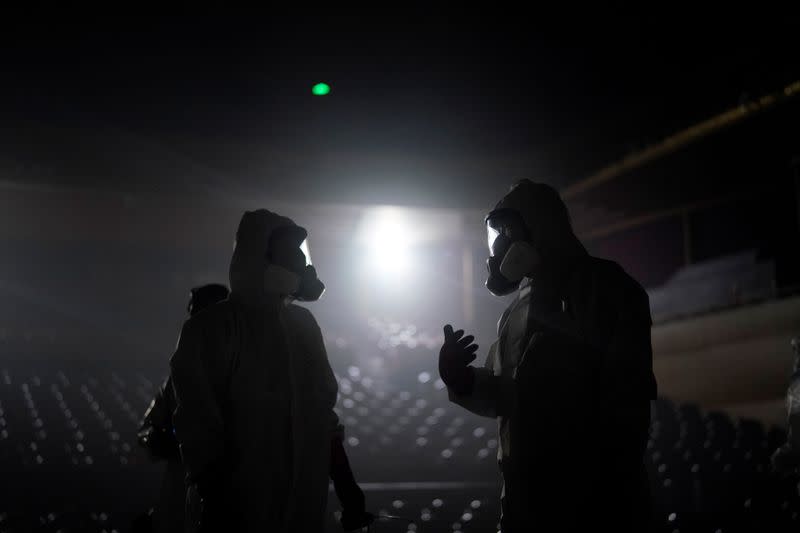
(387, 235)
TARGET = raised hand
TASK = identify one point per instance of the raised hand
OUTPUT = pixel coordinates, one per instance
(456, 354)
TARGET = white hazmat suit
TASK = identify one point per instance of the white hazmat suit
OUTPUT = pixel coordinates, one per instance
(255, 395)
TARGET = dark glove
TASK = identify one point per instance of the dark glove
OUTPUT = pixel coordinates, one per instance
(156, 432)
(354, 514)
(160, 443)
(454, 358)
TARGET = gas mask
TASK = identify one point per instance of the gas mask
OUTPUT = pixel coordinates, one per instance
(309, 288)
(511, 254)
(290, 278)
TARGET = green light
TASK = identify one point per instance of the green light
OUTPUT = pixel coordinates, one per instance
(320, 89)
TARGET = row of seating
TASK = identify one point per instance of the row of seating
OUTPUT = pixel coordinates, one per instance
(67, 441)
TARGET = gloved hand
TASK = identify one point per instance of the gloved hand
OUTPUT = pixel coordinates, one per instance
(354, 514)
(454, 358)
(160, 443)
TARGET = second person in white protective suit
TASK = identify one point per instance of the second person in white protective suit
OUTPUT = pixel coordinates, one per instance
(255, 395)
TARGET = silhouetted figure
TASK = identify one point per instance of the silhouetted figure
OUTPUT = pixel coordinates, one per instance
(569, 377)
(255, 395)
(156, 434)
(786, 459)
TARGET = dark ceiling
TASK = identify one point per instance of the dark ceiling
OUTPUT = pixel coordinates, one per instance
(425, 110)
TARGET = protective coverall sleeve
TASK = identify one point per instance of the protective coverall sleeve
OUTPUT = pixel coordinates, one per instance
(483, 400)
(158, 414)
(197, 419)
(332, 390)
(628, 360)
(336, 428)
(329, 383)
(626, 373)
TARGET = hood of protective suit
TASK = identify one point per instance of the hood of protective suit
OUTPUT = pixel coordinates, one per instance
(547, 219)
(249, 259)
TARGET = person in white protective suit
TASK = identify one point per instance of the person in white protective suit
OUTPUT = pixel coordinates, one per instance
(255, 395)
(569, 378)
(156, 435)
